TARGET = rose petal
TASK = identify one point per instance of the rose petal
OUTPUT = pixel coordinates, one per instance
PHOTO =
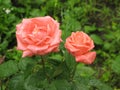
(56, 38)
(40, 21)
(49, 49)
(82, 49)
(70, 47)
(36, 49)
(28, 41)
(20, 44)
(28, 26)
(87, 58)
(27, 53)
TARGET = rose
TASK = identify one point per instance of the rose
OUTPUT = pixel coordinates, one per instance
(79, 45)
(38, 36)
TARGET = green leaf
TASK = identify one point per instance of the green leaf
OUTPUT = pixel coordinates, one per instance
(62, 85)
(51, 87)
(81, 83)
(98, 84)
(58, 71)
(107, 45)
(79, 86)
(36, 81)
(6, 2)
(91, 83)
(97, 39)
(57, 57)
(25, 62)
(116, 65)
(8, 68)
(70, 61)
(4, 45)
(83, 70)
(89, 28)
(37, 12)
(29, 65)
(16, 83)
(106, 76)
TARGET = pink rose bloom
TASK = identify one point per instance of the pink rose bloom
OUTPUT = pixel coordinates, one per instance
(38, 36)
(79, 45)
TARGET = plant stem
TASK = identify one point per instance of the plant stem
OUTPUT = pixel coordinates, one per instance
(1, 85)
(43, 65)
(73, 72)
(44, 70)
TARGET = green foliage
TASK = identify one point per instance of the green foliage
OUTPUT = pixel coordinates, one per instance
(116, 65)
(62, 85)
(84, 71)
(97, 39)
(8, 68)
(16, 83)
(99, 19)
(89, 28)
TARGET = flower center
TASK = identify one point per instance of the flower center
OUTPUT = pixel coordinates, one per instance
(36, 30)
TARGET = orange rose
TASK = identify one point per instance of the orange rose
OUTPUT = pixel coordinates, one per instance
(38, 36)
(79, 45)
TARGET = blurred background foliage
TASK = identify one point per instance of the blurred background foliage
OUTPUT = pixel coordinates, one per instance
(98, 18)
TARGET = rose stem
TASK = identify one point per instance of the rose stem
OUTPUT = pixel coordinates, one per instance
(43, 65)
(44, 70)
(73, 72)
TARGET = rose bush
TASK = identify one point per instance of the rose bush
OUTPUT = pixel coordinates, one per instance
(79, 45)
(38, 36)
